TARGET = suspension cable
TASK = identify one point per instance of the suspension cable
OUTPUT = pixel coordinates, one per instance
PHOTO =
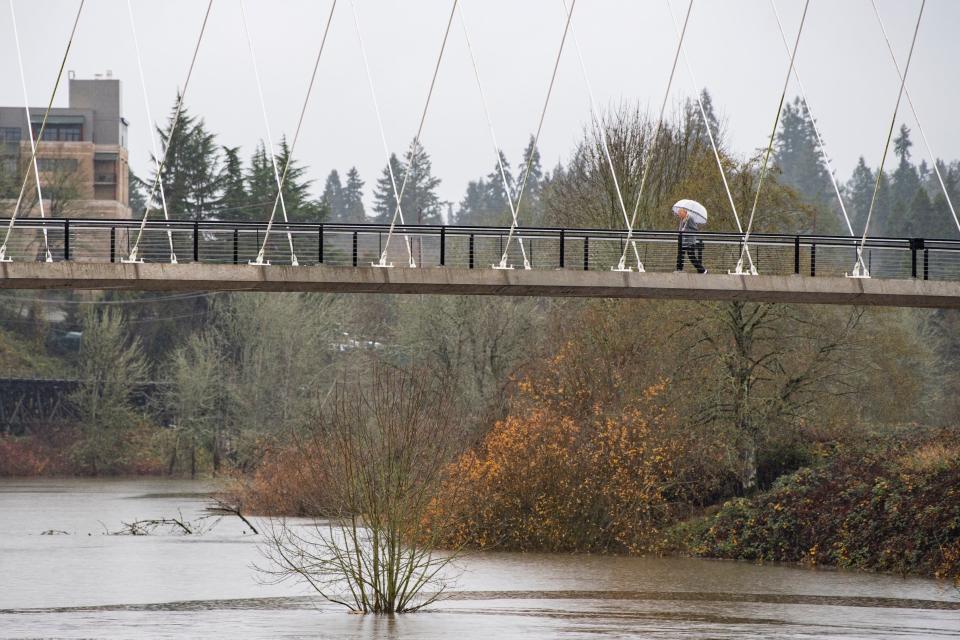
(43, 126)
(860, 270)
(153, 141)
(816, 130)
(266, 122)
(173, 130)
(604, 143)
(415, 145)
(536, 138)
(383, 134)
(33, 143)
(622, 266)
(773, 136)
(493, 136)
(713, 142)
(296, 134)
(916, 117)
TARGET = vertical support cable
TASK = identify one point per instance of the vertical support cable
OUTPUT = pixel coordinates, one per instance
(414, 147)
(536, 138)
(706, 125)
(916, 117)
(493, 137)
(43, 126)
(266, 123)
(598, 122)
(773, 135)
(150, 125)
(383, 137)
(133, 257)
(622, 265)
(296, 136)
(33, 142)
(860, 270)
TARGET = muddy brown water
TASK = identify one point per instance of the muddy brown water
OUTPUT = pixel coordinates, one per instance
(80, 583)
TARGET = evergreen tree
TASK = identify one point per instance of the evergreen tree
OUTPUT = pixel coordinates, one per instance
(261, 185)
(796, 154)
(859, 191)
(906, 180)
(421, 204)
(332, 197)
(496, 204)
(234, 199)
(137, 198)
(296, 188)
(384, 201)
(471, 210)
(353, 197)
(919, 220)
(191, 170)
(533, 190)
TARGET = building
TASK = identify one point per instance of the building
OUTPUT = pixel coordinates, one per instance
(82, 156)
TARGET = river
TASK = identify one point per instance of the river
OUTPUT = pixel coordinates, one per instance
(80, 583)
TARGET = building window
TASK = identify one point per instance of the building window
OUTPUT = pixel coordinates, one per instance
(60, 132)
(9, 134)
(65, 165)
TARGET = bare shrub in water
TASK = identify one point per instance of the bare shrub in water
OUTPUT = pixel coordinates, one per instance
(378, 452)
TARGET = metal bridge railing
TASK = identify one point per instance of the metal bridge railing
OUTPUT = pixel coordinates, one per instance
(468, 247)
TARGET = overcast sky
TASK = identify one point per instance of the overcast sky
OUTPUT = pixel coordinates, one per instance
(733, 46)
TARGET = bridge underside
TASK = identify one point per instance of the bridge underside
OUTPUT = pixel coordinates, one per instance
(558, 283)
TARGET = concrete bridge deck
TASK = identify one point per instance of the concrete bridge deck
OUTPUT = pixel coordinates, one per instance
(450, 280)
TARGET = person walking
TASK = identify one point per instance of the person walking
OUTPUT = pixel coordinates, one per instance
(692, 216)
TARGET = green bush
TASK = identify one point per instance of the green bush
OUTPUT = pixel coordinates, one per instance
(892, 506)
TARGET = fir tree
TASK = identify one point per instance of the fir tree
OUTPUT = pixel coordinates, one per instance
(496, 204)
(859, 192)
(261, 185)
(384, 201)
(796, 154)
(471, 210)
(234, 199)
(421, 204)
(296, 188)
(353, 197)
(332, 197)
(906, 180)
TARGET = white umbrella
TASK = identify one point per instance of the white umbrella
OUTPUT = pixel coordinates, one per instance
(696, 210)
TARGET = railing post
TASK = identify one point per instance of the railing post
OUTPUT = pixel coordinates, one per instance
(443, 245)
(113, 243)
(796, 255)
(680, 257)
(236, 246)
(355, 251)
(916, 244)
(471, 251)
(926, 264)
(813, 260)
(196, 241)
(586, 253)
(320, 245)
(66, 239)
(562, 247)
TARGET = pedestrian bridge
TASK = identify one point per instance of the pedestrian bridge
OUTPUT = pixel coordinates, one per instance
(217, 256)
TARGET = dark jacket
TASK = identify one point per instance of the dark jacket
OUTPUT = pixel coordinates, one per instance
(689, 228)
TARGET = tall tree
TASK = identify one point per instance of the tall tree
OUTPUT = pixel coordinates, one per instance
(859, 192)
(234, 198)
(296, 188)
(332, 197)
(533, 190)
(353, 197)
(797, 156)
(420, 201)
(384, 200)
(261, 184)
(904, 185)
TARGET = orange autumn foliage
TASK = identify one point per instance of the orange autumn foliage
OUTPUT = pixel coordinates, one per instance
(554, 478)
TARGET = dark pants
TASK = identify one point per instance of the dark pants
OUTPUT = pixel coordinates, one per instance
(695, 253)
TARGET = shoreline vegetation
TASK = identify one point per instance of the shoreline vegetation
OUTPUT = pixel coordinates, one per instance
(818, 436)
